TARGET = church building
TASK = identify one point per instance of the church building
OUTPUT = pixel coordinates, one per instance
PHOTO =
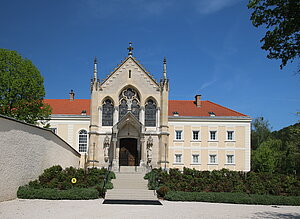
(129, 122)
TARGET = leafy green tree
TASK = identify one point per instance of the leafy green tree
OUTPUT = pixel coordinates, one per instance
(21, 89)
(282, 21)
(290, 148)
(266, 157)
(261, 131)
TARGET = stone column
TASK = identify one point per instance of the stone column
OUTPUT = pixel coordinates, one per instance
(142, 115)
(158, 117)
(143, 150)
(100, 115)
(116, 115)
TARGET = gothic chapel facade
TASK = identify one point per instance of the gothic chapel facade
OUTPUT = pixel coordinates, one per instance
(130, 122)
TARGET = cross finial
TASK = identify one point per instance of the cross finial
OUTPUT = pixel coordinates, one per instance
(130, 48)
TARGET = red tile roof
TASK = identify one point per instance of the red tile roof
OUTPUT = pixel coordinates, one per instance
(68, 107)
(189, 108)
(182, 107)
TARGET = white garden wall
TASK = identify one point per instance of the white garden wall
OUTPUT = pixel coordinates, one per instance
(25, 151)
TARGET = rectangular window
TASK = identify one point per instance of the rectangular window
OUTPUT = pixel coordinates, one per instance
(230, 135)
(213, 135)
(230, 159)
(178, 135)
(195, 158)
(178, 158)
(195, 135)
(213, 159)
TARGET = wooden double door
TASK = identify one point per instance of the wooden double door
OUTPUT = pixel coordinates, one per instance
(128, 152)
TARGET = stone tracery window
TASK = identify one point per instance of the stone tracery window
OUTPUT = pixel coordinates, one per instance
(150, 113)
(107, 113)
(129, 101)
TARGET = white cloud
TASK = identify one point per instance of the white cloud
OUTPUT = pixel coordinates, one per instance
(210, 6)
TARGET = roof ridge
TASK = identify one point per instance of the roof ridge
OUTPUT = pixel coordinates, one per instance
(226, 108)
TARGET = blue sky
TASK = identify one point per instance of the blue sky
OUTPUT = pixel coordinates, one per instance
(210, 45)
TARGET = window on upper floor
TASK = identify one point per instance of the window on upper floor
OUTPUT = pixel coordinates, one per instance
(195, 135)
(150, 113)
(230, 159)
(129, 101)
(195, 158)
(178, 158)
(178, 134)
(230, 135)
(212, 159)
(213, 135)
(107, 113)
(82, 140)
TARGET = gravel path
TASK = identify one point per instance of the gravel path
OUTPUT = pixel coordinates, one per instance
(43, 209)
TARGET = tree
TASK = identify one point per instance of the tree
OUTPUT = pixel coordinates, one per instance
(21, 89)
(282, 20)
(260, 132)
(266, 157)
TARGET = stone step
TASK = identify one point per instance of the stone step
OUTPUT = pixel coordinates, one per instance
(131, 194)
(130, 186)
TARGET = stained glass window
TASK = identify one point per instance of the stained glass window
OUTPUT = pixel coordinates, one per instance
(122, 109)
(150, 113)
(129, 101)
(107, 113)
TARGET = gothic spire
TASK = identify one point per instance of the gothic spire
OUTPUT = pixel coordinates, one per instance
(165, 68)
(130, 48)
(95, 68)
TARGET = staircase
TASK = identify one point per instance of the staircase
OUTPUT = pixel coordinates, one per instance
(130, 188)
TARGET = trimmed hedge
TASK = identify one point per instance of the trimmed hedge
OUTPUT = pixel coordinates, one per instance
(235, 198)
(26, 192)
(191, 180)
(56, 183)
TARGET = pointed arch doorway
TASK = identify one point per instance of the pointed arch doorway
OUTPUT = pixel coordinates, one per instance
(129, 154)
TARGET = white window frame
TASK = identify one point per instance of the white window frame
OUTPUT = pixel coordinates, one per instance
(216, 159)
(175, 158)
(193, 162)
(181, 135)
(210, 135)
(193, 139)
(233, 159)
(87, 140)
(232, 136)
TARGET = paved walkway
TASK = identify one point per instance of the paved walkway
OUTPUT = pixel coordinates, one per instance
(43, 209)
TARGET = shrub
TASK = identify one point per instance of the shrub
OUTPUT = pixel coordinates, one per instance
(55, 180)
(27, 192)
(162, 191)
(191, 180)
(235, 198)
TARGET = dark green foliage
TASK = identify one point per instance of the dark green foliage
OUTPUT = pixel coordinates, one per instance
(21, 89)
(191, 180)
(236, 198)
(27, 192)
(277, 151)
(162, 191)
(282, 21)
(56, 179)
